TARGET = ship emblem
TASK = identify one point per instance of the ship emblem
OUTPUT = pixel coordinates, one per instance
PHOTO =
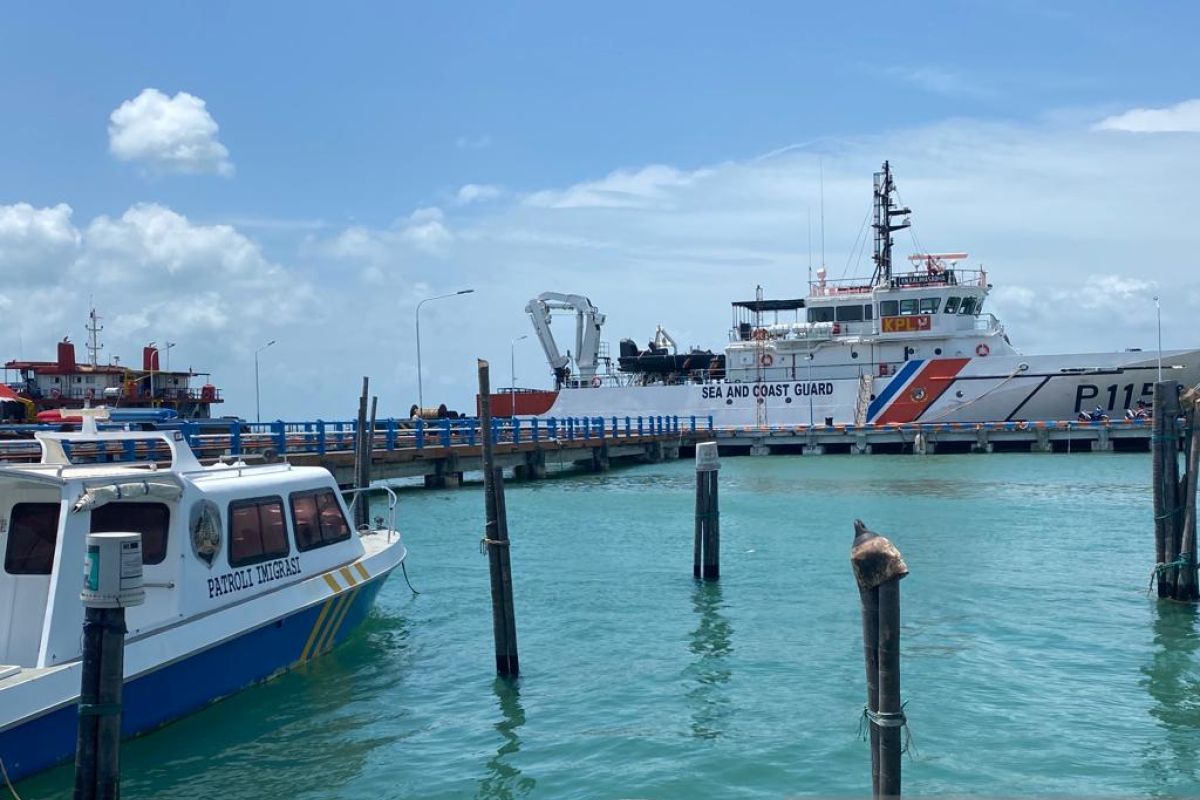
(918, 394)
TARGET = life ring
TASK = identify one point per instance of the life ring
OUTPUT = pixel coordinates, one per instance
(1022, 425)
(760, 334)
(982, 349)
(597, 382)
(766, 359)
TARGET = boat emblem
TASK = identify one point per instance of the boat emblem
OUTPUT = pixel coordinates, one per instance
(918, 394)
(205, 527)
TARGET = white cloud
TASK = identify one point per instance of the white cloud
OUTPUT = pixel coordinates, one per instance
(480, 142)
(1182, 117)
(36, 244)
(168, 134)
(649, 187)
(476, 193)
(937, 81)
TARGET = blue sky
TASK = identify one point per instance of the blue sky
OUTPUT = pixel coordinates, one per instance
(349, 133)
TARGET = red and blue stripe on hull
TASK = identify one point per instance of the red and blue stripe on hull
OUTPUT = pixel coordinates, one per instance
(913, 389)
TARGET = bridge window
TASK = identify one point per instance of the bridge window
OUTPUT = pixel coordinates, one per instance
(968, 306)
(849, 313)
(889, 308)
(929, 305)
(257, 531)
(867, 309)
(820, 314)
(909, 307)
(151, 520)
(317, 519)
(32, 534)
(952, 305)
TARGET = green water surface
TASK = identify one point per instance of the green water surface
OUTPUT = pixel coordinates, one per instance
(1033, 661)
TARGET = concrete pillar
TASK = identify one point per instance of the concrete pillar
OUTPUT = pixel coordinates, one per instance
(1103, 443)
(860, 446)
(759, 448)
(599, 461)
(982, 445)
(813, 450)
(670, 451)
(1041, 442)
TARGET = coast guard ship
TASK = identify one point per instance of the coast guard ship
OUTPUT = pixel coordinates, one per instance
(911, 345)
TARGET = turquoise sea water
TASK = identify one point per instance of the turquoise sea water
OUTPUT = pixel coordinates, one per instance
(1033, 661)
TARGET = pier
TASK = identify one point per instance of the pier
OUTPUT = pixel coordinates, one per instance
(441, 451)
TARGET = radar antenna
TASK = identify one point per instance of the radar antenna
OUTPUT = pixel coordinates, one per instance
(884, 212)
(94, 345)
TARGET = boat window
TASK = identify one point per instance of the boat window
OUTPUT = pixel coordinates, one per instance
(952, 305)
(849, 313)
(151, 520)
(820, 314)
(32, 534)
(889, 308)
(257, 531)
(979, 305)
(867, 309)
(929, 305)
(968, 306)
(909, 307)
(317, 519)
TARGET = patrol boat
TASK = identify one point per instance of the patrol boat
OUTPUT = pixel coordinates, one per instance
(912, 345)
(249, 570)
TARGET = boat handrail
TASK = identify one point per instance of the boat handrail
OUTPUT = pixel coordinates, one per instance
(354, 494)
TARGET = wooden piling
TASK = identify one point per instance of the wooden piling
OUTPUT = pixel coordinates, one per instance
(1186, 585)
(878, 567)
(495, 539)
(706, 549)
(361, 513)
(1165, 472)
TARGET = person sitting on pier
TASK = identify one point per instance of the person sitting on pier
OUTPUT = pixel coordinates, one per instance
(1141, 411)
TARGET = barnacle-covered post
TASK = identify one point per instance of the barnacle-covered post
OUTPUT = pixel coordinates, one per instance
(878, 568)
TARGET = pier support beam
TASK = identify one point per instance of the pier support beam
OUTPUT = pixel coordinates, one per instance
(1103, 443)
(860, 446)
(446, 474)
(982, 445)
(654, 452)
(758, 448)
(1042, 443)
(534, 467)
(813, 450)
(599, 462)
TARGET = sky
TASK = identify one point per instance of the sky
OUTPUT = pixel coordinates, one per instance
(221, 175)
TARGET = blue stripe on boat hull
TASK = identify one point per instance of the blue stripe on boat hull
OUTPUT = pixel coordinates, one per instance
(177, 689)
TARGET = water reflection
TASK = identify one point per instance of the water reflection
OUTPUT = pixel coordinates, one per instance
(1172, 678)
(711, 644)
(504, 780)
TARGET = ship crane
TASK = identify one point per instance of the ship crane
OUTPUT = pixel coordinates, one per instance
(588, 321)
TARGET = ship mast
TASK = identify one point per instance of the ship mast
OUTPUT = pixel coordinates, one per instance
(884, 212)
(94, 346)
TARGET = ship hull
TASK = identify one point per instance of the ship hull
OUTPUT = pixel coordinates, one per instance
(981, 389)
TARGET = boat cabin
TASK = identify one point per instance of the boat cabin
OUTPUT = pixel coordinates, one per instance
(212, 536)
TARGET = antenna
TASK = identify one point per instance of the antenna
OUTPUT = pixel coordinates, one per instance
(885, 187)
(94, 346)
(809, 210)
(821, 165)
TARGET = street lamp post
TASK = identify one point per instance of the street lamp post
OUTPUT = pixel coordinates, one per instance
(512, 372)
(1158, 314)
(257, 409)
(167, 352)
(420, 393)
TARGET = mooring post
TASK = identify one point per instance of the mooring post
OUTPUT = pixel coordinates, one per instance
(495, 539)
(112, 581)
(1165, 471)
(1186, 586)
(878, 568)
(361, 456)
(706, 557)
